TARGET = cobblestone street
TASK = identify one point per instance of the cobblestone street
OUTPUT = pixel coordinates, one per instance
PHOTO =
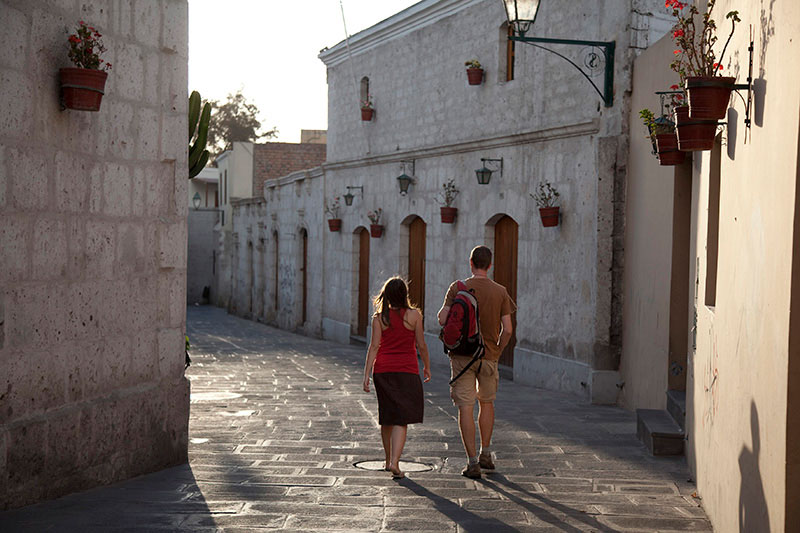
(278, 420)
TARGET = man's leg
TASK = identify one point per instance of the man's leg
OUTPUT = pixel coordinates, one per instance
(486, 422)
(466, 423)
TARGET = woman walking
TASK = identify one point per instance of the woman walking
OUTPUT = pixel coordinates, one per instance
(392, 360)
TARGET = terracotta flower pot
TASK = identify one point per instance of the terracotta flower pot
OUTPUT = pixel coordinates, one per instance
(709, 96)
(82, 88)
(475, 76)
(375, 231)
(667, 147)
(366, 113)
(448, 214)
(694, 134)
(334, 224)
(549, 216)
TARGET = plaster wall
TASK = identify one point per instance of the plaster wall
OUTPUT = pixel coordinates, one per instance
(648, 244)
(92, 252)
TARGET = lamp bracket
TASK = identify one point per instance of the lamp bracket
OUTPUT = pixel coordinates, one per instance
(485, 160)
(592, 61)
(356, 187)
(411, 162)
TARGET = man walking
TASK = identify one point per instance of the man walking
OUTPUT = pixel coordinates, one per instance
(481, 379)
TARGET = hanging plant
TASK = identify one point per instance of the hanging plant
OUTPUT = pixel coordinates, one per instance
(83, 86)
(696, 63)
(367, 110)
(474, 72)
(545, 197)
(445, 198)
(375, 226)
(332, 209)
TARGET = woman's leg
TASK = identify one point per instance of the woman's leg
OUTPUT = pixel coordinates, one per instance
(398, 441)
(386, 438)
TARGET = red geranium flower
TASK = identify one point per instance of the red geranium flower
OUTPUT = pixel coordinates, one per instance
(678, 33)
(674, 87)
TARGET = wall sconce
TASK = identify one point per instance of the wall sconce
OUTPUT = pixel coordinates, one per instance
(484, 174)
(196, 200)
(348, 196)
(404, 180)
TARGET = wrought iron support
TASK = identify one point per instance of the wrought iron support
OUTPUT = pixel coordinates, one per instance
(608, 48)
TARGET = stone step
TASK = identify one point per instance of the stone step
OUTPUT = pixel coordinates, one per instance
(676, 406)
(659, 432)
(358, 340)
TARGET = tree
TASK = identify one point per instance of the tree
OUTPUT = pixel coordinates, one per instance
(234, 120)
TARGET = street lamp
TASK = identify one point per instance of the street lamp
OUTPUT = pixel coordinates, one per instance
(196, 200)
(348, 196)
(404, 180)
(484, 174)
(522, 13)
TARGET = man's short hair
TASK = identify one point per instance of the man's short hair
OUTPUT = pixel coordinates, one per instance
(481, 257)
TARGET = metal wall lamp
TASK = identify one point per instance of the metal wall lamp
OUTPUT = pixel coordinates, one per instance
(404, 180)
(484, 174)
(348, 196)
(521, 15)
(196, 200)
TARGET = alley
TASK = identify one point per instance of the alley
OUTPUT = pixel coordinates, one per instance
(278, 421)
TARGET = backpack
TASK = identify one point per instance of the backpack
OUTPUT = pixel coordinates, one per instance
(461, 334)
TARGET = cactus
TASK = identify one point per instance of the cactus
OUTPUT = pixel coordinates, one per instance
(198, 155)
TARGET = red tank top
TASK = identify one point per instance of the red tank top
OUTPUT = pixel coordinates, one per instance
(397, 351)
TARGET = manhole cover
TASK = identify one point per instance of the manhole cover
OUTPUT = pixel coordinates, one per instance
(213, 396)
(405, 466)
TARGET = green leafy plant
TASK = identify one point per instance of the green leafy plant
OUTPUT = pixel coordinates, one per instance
(448, 194)
(333, 208)
(472, 63)
(85, 47)
(198, 122)
(367, 103)
(375, 216)
(695, 41)
(545, 195)
(655, 126)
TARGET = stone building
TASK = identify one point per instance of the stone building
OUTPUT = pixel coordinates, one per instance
(712, 280)
(92, 251)
(533, 111)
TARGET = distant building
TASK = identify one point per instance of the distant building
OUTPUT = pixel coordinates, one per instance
(204, 187)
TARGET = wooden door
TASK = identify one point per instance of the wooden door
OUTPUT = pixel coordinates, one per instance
(506, 233)
(276, 271)
(363, 282)
(416, 263)
(305, 276)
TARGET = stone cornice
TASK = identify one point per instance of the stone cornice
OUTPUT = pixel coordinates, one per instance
(581, 129)
(409, 20)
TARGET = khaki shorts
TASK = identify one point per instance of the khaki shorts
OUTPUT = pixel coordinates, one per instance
(473, 384)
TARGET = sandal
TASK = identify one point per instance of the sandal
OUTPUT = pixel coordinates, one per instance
(396, 473)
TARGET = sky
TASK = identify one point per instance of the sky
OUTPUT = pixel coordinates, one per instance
(269, 49)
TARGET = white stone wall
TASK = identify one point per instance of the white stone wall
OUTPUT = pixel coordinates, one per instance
(92, 251)
(546, 124)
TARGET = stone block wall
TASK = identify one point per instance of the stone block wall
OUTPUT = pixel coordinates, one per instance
(92, 251)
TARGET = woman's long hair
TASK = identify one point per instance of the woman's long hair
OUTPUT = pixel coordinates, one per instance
(394, 293)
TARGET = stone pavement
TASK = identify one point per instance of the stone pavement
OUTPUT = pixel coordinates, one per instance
(278, 420)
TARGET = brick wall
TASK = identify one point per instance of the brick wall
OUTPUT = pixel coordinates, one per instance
(92, 251)
(273, 160)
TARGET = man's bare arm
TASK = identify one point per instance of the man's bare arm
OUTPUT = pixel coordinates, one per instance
(442, 314)
(505, 334)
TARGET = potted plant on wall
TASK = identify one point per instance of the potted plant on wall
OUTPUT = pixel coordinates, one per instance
(375, 226)
(661, 132)
(332, 209)
(367, 110)
(474, 72)
(83, 86)
(696, 63)
(445, 198)
(545, 198)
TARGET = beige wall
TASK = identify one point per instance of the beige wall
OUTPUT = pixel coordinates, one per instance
(648, 245)
(737, 388)
(92, 252)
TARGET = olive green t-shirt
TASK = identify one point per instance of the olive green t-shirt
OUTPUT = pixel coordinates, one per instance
(493, 303)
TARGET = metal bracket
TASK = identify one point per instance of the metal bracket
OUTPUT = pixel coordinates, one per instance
(591, 60)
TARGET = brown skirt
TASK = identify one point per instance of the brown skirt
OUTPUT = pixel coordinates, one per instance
(400, 400)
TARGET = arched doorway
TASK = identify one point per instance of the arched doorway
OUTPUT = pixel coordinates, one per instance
(304, 277)
(416, 262)
(363, 282)
(250, 278)
(506, 235)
